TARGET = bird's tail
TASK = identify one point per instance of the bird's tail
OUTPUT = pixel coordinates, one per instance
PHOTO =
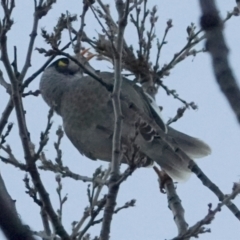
(175, 161)
(175, 164)
(193, 147)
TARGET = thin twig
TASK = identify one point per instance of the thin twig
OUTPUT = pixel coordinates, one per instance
(160, 45)
(77, 46)
(6, 85)
(33, 35)
(44, 135)
(16, 163)
(198, 228)
(100, 186)
(192, 41)
(93, 202)
(128, 204)
(66, 172)
(214, 188)
(123, 10)
(93, 216)
(62, 200)
(5, 115)
(15, 63)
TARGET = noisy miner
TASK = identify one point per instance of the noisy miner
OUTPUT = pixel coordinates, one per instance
(85, 106)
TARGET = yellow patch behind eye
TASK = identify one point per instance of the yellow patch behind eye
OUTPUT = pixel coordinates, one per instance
(62, 64)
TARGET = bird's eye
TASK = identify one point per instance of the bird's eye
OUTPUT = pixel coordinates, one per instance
(62, 63)
(64, 66)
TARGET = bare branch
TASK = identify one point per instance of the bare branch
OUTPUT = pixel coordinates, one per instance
(66, 172)
(199, 228)
(128, 204)
(214, 188)
(86, 5)
(45, 222)
(212, 25)
(6, 85)
(33, 35)
(11, 158)
(93, 200)
(123, 10)
(4, 136)
(94, 214)
(174, 202)
(10, 222)
(160, 45)
(62, 200)
(44, 135)
(31, 93)
(5, 115)
(180, 113)
(25, 139)
(173, 93)
(193, 39)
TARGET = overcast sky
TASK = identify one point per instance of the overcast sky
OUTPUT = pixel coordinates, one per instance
(213, 122)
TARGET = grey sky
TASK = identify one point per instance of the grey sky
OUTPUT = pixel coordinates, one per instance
(213, 122)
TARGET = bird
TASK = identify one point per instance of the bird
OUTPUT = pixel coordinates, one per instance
(85, 106)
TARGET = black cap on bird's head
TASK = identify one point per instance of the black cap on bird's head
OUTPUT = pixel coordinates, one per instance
(63, 66)
(67, 66)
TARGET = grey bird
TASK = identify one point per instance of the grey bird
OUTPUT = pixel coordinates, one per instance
(85, 106)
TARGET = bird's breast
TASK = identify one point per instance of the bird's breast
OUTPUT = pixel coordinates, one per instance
(87, 104)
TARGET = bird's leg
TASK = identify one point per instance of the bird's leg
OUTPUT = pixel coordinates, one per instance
(163, 178)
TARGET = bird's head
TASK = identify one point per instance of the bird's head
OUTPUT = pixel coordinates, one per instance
(59, 74)
(64, 66)
(67, 66)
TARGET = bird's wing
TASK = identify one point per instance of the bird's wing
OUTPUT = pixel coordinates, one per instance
(150, 106)
(156, 112)
(136, 94)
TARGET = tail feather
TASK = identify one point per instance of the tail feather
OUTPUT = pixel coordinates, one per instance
(175, 164)
(174, 155)
(175, 161)
(193, 147)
